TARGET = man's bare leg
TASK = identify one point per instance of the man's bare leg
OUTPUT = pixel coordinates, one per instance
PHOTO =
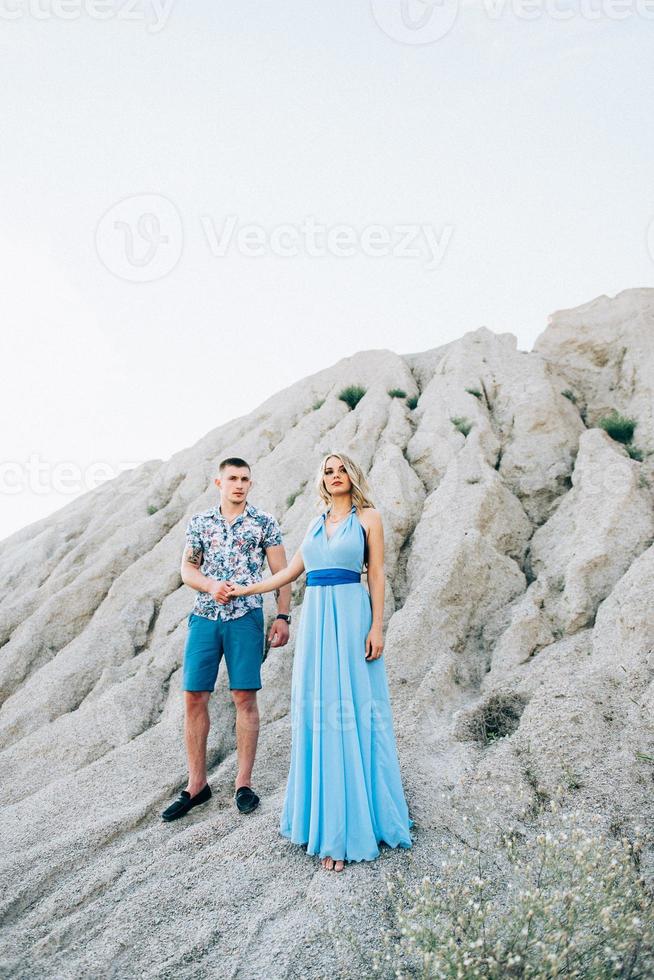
(196, 730)
(247, 734)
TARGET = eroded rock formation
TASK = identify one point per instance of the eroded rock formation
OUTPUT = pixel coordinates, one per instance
(519, 648)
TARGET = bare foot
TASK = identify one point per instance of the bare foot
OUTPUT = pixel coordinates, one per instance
(330, 865)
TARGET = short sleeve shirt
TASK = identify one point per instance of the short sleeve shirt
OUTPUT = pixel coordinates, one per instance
(232, 551)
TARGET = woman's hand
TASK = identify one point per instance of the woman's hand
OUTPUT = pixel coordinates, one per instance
(374, 643)
(233, 589)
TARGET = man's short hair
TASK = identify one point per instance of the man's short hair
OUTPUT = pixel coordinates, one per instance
(233, 461)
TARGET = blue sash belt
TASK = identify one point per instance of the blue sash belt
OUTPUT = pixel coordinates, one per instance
(332, 576)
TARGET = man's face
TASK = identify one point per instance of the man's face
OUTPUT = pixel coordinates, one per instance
(234, 484)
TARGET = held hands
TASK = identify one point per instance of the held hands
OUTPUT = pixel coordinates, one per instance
(222, 593)
(225, 591)
(233, 589)
(374, 643)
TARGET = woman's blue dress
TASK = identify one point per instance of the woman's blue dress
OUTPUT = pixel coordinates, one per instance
(344, 791)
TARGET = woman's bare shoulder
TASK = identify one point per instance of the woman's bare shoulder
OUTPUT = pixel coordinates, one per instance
(369, 516)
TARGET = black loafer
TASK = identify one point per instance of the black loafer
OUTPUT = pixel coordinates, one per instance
(246, 799)
(185, 802)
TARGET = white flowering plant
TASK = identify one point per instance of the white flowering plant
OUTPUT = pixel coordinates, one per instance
(569, 903)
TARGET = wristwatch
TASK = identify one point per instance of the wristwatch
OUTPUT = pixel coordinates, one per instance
(284, 616)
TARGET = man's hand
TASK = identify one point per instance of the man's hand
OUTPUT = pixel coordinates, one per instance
(222, 593)
(278, 633)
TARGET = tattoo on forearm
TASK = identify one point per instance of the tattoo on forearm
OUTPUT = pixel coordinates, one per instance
(193, 555)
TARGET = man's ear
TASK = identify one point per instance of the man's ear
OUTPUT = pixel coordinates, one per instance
(218, 482)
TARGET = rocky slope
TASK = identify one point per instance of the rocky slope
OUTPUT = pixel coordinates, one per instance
(519, 648)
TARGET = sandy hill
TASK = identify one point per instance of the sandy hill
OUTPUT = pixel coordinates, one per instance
(519, 649)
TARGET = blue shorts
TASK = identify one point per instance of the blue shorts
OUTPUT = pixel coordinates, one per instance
(241, 640)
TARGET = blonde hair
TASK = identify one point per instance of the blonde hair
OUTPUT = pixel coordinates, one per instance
(360, 489)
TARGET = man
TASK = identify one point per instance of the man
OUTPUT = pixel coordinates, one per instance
(230, 541)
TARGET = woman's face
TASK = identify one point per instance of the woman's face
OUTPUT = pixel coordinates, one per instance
(336, 479)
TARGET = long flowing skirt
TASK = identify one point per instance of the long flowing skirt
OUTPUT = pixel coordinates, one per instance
(344, 792)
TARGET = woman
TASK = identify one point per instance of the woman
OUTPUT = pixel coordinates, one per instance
(344, 791)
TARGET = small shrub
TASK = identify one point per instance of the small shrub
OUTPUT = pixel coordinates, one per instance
(474, 391)
(572, 781)
(292, 497)
(570, 395)
(397, 393)
(412, 401)
(462, 424)
(634, 452)
(570, 904)
(496, 717)
(152, 509)
(619, 427)
(318, 404)
(352, 395)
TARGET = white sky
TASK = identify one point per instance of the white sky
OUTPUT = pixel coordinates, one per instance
(525, 146)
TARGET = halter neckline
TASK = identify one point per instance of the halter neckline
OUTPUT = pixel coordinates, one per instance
(353, 507)
(338, 524)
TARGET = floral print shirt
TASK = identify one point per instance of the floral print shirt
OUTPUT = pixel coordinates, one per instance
(231, 551)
